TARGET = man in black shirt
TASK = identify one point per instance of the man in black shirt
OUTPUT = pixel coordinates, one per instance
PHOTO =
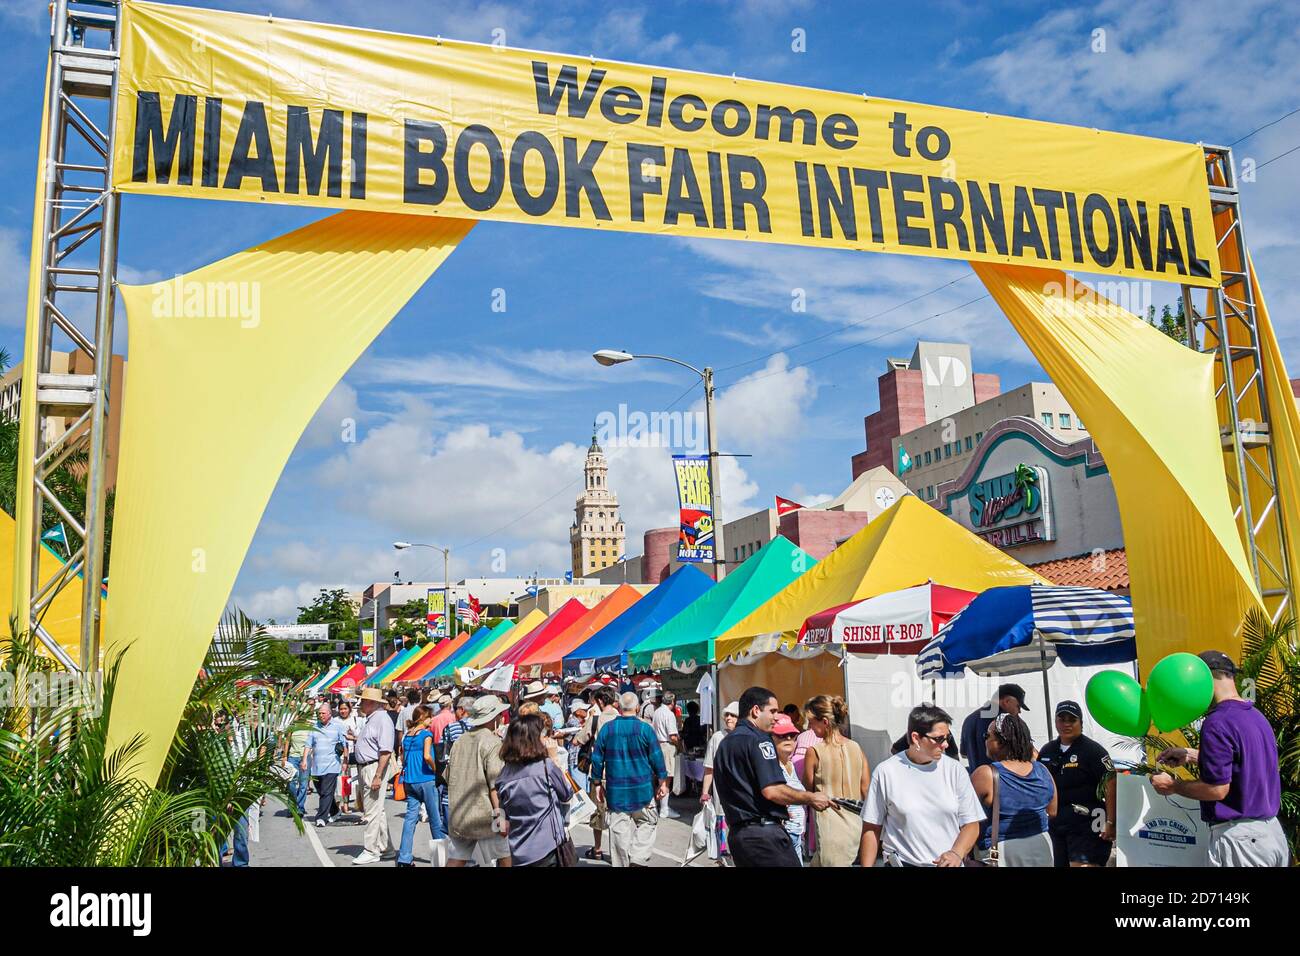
(752, 788)
(1084, 826)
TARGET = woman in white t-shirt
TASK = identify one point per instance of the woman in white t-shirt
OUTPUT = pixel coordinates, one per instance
(921, 809)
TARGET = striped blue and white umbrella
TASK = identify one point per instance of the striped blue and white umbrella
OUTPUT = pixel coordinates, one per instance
(997, 633)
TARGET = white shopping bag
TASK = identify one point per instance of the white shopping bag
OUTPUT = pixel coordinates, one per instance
(255, 822)
(437, 852)
(1152, 830)
(679, 775)
(581, 809)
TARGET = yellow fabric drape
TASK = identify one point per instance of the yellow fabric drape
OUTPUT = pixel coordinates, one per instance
(1149, 405)
(228, 364)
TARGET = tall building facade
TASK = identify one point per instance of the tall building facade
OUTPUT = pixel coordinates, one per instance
(596, 538)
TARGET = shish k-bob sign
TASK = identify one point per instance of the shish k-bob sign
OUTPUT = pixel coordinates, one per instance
(233, 106)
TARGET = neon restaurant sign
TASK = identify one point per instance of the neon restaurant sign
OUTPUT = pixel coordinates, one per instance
(1012, 509)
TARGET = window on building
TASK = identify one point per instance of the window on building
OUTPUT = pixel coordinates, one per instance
(979, 435)
(929, 492)
(936, 454)
(947, 450)
(1065, 420)
(927, 458)
(1078, 423)
(1047, 419)
(969, 443)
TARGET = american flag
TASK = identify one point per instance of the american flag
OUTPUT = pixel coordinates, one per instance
(468, 611)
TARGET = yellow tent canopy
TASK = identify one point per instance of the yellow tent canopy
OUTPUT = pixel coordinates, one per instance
(907, 545)
(527, 624)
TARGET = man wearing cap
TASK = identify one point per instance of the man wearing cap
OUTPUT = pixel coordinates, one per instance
(1240, 788)
(577, 718)
(1084, 826)
(473, 766)
(664, 722)
(1010, 699)
(371, 755)
(628, 768)
(752, 788)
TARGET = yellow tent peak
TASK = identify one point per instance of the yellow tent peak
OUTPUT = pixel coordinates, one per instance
(907, 545)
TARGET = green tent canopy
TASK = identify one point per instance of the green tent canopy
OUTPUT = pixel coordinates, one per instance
(688, 637)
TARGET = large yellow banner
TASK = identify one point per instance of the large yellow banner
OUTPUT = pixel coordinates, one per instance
(233, 106)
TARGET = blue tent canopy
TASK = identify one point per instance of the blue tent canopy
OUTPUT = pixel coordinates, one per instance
(995, 632)
(607, 648)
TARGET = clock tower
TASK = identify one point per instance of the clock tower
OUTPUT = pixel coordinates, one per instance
(596, 537)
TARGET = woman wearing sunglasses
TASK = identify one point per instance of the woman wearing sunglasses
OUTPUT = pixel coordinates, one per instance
(921, 809)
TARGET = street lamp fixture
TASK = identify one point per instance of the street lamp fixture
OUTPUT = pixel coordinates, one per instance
(609, 357)
(612, 357)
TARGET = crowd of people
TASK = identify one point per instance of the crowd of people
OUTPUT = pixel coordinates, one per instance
(501, 778)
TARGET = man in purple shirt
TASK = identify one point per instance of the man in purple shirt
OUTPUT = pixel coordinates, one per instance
(1240, 788)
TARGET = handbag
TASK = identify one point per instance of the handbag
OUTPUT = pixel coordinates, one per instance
(566, 854)
(582, 807)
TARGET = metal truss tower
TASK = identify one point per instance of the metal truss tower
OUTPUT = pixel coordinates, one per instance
(78, 262)
(1227, 327)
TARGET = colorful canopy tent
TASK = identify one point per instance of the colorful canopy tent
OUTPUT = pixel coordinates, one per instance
(900, 622)
(448, 667)
(490, 652)
(908, 543)
(349, 679)
(443, 650)
(325, 678)
(548, 658)
(306, 682)
(607, 648)
(385, 673)
(687, 640)
(421, 651)
(386, 661)
(570, 611)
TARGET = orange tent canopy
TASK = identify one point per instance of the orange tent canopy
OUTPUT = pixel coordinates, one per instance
(547, 658)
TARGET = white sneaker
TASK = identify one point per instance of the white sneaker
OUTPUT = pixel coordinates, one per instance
(669, 813)
(321, 824)
(364, 858)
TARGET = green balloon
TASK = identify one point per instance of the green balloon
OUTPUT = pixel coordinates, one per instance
(1118, 703)
(1179, 691)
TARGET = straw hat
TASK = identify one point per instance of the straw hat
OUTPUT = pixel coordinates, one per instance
(534, 689)
(371, 693)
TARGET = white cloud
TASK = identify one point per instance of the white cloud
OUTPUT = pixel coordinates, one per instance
(765, 408)
(14, 265)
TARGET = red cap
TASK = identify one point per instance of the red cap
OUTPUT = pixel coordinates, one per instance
(783, 726)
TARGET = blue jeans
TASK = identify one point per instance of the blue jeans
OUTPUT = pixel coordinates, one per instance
(417, 794)
(241, 843)
(299, 787)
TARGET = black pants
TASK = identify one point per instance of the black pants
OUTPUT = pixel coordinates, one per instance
(326, 807)
(757, 845)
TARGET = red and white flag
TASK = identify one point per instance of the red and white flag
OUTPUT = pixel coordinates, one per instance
(784, 506)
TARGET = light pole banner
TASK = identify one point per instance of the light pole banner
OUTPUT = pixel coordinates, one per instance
(235, 106)
(695, 501)
(368, 642)
(437, 615)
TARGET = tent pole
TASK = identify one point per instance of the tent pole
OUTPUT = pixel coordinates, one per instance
(1047, 694)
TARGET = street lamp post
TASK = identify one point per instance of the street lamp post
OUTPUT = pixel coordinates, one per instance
(609, 357)
(447, 610)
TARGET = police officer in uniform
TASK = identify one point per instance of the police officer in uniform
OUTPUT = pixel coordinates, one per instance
(1084, 826)
(748, 780)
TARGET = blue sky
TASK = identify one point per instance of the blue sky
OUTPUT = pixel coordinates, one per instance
(471, 423)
